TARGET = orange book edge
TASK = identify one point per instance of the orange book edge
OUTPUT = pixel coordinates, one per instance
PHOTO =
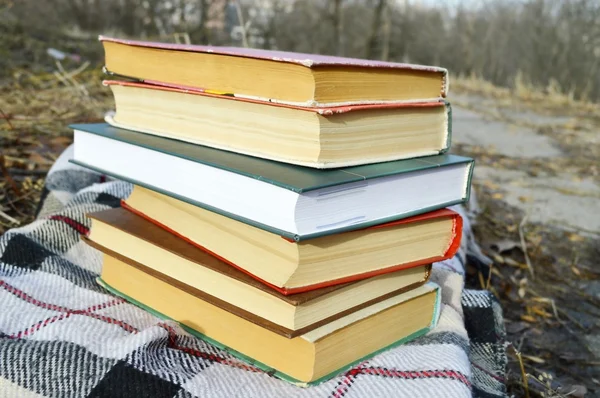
(450, 252)
(325, 111)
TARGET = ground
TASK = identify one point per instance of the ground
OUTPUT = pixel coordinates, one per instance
(536, 181)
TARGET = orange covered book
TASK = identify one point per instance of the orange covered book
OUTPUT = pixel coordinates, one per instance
(292, 267)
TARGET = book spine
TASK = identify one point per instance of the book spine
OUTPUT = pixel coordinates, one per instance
(265, 227)
(455, 241)
(469, 180)
(387, 219)
(448, 128)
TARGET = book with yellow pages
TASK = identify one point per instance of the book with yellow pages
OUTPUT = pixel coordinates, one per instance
(291, 267)
(277, 76)
(307, 359)
(151, 249)
(313, 137)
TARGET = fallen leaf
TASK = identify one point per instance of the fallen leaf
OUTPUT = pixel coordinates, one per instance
(525, 199)
(528, 318)
(577, 391)
(61, 140)
(39, 159)
(498, 195)
(573, 237)
(505, 245)
(541, 312)
(491, 185)
(533, 359)
(498, 259)
(510, 262)
(575, 270)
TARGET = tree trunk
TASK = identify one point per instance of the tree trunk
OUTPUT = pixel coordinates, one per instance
(202, 26)
(375, 24)
(182, 22)
(338, 27)
(385, 40)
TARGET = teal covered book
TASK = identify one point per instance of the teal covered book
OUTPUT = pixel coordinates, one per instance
(293, 201)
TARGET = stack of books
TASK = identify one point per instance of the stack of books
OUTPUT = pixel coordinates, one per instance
(286, 207)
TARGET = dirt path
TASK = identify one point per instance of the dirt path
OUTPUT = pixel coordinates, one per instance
(561, 199)
(537, 176)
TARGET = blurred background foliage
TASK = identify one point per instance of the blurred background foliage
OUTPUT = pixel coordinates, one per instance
(547, 44)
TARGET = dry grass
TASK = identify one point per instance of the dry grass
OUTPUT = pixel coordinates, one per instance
(547, 283)
(35, 112)
(548, 100)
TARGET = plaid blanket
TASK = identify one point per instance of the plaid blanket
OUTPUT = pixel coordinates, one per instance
(62, 335)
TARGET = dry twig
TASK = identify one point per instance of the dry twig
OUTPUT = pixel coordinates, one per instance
(9, 218)
(524, 245)
(524, 375)
(7, 176)
(5, 117)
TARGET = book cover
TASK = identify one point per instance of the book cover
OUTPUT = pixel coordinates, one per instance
(268, 369)
(450, 252)
(297, 179)
(284, 179)
(445, 126)
(305, 60)
(145, 230)
(325, 110)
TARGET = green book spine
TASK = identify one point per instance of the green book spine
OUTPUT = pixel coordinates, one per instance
(288, 176)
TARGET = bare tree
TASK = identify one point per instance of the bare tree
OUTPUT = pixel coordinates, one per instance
(543, 43)
(375, 26)
(338, 27)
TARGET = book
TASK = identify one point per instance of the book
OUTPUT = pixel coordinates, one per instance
(145, 246)
(291, 267)
(286, 77)
(293, 201)
(307, 359)
(313, 137)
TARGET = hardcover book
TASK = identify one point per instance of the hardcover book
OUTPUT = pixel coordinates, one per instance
(291, 267)
(131, 239)
(277, 76)
(293, 201)
(313, 137)
(310, 358)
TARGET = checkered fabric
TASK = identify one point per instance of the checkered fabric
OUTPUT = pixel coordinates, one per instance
(62, 335)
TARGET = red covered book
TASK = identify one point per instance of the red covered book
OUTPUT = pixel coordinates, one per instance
(290, 266)
(286, 77)
(326, 137)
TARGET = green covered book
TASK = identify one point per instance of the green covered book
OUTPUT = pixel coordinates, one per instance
(307, 359)
(293, 201)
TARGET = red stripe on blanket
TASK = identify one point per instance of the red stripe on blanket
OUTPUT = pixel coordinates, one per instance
(204, 355)
(419, 374)
(66, 312)
(350, 376)
(76, 225)
(347, 381)
(487, 372)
